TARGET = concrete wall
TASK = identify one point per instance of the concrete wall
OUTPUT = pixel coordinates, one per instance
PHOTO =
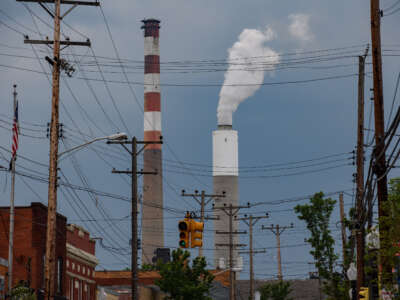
(152, 217)
(230, 185)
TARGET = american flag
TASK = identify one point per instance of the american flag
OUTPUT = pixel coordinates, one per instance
(15, 130)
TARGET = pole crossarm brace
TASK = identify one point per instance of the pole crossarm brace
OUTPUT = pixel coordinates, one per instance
(231, 210)
(206, 218)
(230, 232)
(229, 245)
(49, 42)
(254, 251)
(203, 195)
(277, 230)
(71, 2)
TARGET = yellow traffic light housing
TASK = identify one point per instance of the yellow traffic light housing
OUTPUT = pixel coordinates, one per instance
(184, 232)
(364, 293)
(196, 233)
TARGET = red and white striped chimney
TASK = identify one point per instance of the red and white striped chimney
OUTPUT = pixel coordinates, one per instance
(152, 217)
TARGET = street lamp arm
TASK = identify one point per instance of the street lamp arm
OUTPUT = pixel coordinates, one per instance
(117, 136)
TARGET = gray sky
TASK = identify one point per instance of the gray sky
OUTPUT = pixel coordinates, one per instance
(279, 124)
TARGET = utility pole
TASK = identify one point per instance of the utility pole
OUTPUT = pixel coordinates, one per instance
(343, 227)
(360, 231)
(134, 195)
(12, 212)
(57, 64)
(278, 230)
(380, 156)
(204, 200)
(250, 221)
(231, 211)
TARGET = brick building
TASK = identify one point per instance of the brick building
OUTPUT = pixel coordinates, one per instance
(3, 276)
(30, 245)
(81, 262)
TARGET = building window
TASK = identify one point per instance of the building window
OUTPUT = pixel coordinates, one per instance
(83, 270)
(79, 268)
(71, 289)
(73, 266)
(67, 263)
(59, 275)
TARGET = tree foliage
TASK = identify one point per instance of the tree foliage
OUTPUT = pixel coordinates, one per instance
(389, 247)
(182, 281)
(22, 292)
(276, 291)
(317, 215)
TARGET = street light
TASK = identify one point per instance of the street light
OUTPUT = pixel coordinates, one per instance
(113, 137)
(352, 275)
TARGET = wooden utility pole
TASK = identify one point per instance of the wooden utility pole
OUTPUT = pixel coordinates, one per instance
(278, 230)
(57, 63)
(134, 203)
(50, 263)
(360, 231)
(343, 227)
(12, 194)
(231, 212)
(203, 201)
(250, 221)
(380, 156)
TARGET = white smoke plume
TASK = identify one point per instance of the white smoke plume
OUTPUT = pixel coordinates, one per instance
(299, 27)
(248, 58)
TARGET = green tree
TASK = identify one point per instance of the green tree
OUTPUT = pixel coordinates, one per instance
(276, 291)
(182, 281)
(317, 214)
(22, 292)
(390, 248)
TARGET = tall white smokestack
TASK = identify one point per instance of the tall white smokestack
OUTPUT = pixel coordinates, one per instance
(225, 179)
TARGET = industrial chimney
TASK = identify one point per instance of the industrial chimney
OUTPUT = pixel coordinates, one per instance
(152, 217)
(225, 179)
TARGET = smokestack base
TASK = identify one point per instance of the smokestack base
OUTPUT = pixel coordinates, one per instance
(224, 127)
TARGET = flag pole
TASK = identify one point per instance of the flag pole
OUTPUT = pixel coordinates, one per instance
(12, 167)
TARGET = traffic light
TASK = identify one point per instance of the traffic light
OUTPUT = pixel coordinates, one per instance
(184, 231)
(364, 293)
(196, 233)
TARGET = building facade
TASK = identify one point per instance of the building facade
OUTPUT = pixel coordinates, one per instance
(3, 275)
(81, 263)
(30, 225)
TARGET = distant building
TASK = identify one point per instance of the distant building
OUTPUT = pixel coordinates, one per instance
(81, 262)
(30, 245)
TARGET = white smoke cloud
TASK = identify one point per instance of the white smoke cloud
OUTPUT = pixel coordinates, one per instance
(299, 27)
(248, 58)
